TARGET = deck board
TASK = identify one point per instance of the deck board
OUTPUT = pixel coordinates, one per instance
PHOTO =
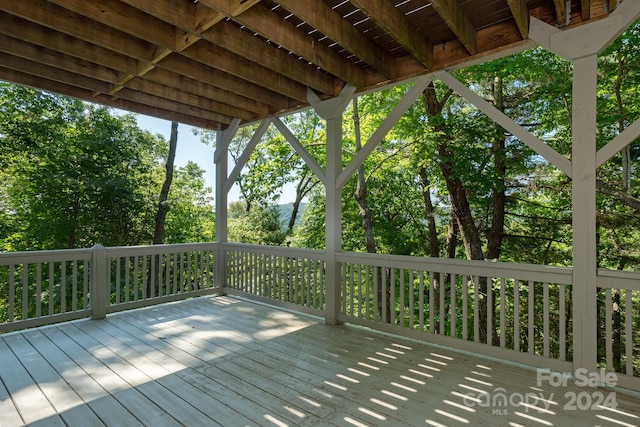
(225, 361)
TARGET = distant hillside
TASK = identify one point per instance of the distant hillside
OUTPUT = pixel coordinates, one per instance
(285, 214)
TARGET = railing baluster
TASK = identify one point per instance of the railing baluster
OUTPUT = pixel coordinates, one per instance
(12, 292)
(545, 320)
(411, 299)
(127, 278)
(442, 312)
(465, 307)
(63, 287)
(563, 322)
(117, 261)
(531, 314)
(516, 315)
(431, 302)
(628, 331)
(476, 308)
(503, 326)
(74, 285)
(608, 327)
(38, 289)
(52, 284)
(421, 301)
(453, 309)
(25, 291)
(489, 310)
(85, 284)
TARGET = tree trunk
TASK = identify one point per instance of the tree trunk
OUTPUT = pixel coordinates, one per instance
(163, 207)
(460, 206)
(626, 155)
(306, 184)
(434, 243)
(360, 195)
(499, 197)
(452, 237)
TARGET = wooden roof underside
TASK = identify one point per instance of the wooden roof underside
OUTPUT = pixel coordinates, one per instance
(206, 62)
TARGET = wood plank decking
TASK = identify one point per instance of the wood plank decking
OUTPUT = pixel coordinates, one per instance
(225, 361)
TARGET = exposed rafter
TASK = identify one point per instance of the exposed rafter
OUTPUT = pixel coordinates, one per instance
(458, 21)
(521, 16)
(209, 62)
(561, 11)
(331, 24)
(585, 9)
(389, 18)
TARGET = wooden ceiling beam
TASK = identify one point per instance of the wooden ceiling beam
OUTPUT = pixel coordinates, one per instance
(234, 39)
(197, 87)
(329, 23)
(385, 15)
(561, 12)
(93, 86)
(282, 33)
(136, 20)
(520, 14)
(123, 104)
(37, 43)
(585, 9)
(125, 18)
(222, 80)
(67, 45)
(221, 59)
(170, 93)
(22, 49)
(458, 22)
(150, 54)
(63, 76)
(74, 25)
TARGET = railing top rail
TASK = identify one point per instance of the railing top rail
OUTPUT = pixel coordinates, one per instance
(276, 250)
(117, 251)
(619, 279)
(538, 273)
(30, 257)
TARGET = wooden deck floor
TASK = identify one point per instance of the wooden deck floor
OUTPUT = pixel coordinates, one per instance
(225, 361)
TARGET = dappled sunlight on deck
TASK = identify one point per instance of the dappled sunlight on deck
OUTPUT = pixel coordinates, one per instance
(225, 361)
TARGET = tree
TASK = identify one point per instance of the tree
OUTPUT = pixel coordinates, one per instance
(163, 206)
(261, 225)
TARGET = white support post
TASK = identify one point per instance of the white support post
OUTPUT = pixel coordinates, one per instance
(583, 193)
(99, 283)
(220, 158)
(581, 45)
(331, 111)
(333, 218)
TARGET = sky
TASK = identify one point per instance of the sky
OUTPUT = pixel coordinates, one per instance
(191, 149)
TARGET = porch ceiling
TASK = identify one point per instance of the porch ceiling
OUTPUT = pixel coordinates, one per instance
(205, 62)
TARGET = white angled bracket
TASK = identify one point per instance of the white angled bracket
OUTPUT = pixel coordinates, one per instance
(389, 122)
(223, 143)
(244, 157)
(334, 107)
(540, 147)
(300, 149)
(591, 38)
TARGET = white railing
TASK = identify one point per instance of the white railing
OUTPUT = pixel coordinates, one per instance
(146, 275)
(619, 325)
(43, 287)
(292, 278)
(522, 313)
(515, 311)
